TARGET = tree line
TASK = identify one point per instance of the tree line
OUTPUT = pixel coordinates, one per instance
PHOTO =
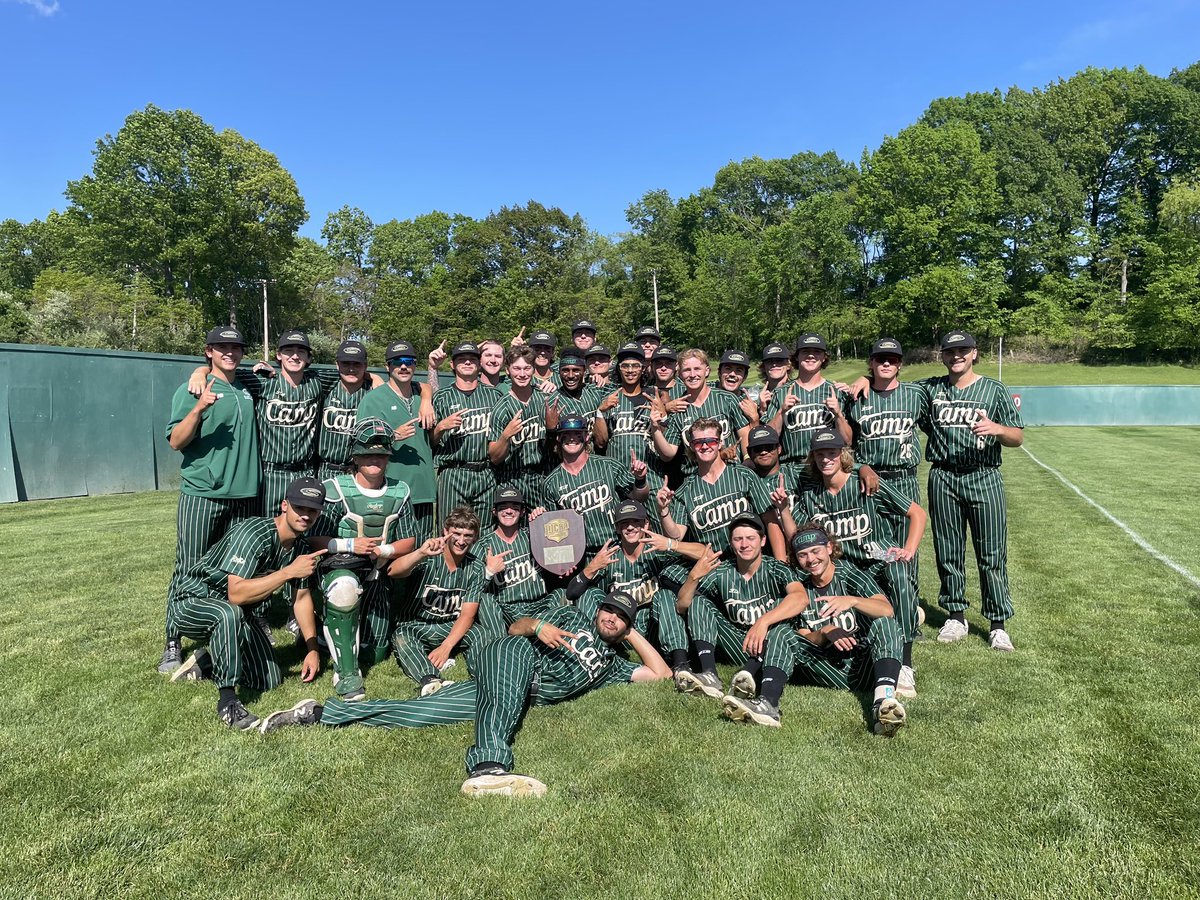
(1065, 218)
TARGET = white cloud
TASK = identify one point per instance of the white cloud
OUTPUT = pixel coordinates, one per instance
(41, 7)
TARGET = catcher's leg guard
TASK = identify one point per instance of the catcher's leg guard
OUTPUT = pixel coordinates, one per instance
(342, 592)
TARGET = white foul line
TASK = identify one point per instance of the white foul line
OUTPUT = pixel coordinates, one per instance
(1134, 536)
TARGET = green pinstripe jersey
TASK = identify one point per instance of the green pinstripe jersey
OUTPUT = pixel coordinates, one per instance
(249, 549)
(796, 480)
(287, 415)
(674, 392)
(221, 461)
(585, 405)
(629, 431)
(433, 593)
(720, 405)
(587, 663)
(521, 580)
(643, 575)
(412, 458)
(468, 442)
(804, 419)
(593, 493)
(885, 426)
(339, 414)
(526, 451)
(352, 510)
(954, 411)
(865, 526)
(847, 581)
(744, 600)
(707, 509)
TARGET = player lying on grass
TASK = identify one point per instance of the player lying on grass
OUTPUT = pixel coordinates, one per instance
(213, 601)
(845, 635)
(722, 601)
(543, 661)
(444, 606)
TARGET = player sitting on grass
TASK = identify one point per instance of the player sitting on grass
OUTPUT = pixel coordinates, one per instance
(368, 520)
(521, 587)
(722, 600)
(212, 601)
(543, 661)
(445, 605)
(846, 635)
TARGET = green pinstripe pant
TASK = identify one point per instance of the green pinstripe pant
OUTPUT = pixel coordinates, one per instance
(374, 619)
(534, 609)
(657, 620)
(975, 500)
(896, 579)
(909, 488)
(413, 639)
(202, 521)
(241, 653)
(830, 668)
(459, 486)
(274, 483)
(705, 623)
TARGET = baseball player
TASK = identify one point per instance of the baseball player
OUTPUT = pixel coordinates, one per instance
(517, 430)
(542, 661)
(809, 403)
(673, 433)
(868, 531)
(591, 485)
(521, 587)
(545, 377)
(408, 407)
(845, 634)
(210, 601)
(340, 410)
(599, 366)
(762, 444)
(583, 336)
(575, 397)
(664, 383)
(732, 372)
(722, 601)
(460, 438)
(714, 495)
(367, 520)
(648, 338)
(491, 364)
(219, 473)
(445, 606)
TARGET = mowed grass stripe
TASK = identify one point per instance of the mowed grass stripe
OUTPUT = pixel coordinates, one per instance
(1067, 769)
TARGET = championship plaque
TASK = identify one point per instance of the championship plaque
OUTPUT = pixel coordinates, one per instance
(557, 540)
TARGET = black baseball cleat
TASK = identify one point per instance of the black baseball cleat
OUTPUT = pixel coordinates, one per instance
(237, 716)
(293, 626)
(306, 712)
(750, 711)
(491, 779)
(707, 683)
(171, 658)
(197, 668)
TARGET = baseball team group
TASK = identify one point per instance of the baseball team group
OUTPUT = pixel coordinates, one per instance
(770, 524)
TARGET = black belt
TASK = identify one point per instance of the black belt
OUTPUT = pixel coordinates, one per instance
(337, 467)
(469, 466)
(288, 467)
(960, 470)
(889, 474)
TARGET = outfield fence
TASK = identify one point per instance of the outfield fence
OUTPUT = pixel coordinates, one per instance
(76, 422)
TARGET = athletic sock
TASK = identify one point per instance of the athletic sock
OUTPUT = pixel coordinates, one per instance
(887, 671)
(706, 655)
(225, 696)
(906, 655)
(773, 682)
(998, 624)
(754, 666)
(960, 616)
(679, 659)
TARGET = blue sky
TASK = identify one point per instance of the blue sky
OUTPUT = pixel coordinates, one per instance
(466, 107)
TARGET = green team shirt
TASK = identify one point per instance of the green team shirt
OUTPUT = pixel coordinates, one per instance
(954, 411)
(865, 526)
(585, 405)
(744, 600)
(847, 581)
(468, 442)
(707, 509)
(593, 493)
(352, 510)
(804, 419)
(221, 462)
(287, 415)
(249, 549)
(674, 392)
(521, 580)
(339, 415)
(720, 405)
(643, 575)
(885, 426)
(629, 431)
(586, 664)
(412, 458)
(435, 594)
(526, 451)
(796, 481)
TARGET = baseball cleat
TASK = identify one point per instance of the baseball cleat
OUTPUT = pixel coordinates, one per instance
(432, 686)
(303, 713)
(197, 667)
(920, 616)
(448, 664)
(292, 626)
(752, 711)
(508, 784)
(237, 716)
(707, 683)
(889, 716)
(172, 657)
(998, 639)
(349, 687)
(952, 631)
(743, 684)
(906, 684)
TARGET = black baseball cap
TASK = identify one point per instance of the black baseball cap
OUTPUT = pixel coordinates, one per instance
(629, 511)
(748, 518)
(622, 604)
(598, 350)
(762, 436)
(828, 439)
(570, 358)
(583, 325)
(887, 346)
(306, 492)
(572, 423)
(632, 350)
(775, 351)
(647, 331)
(953, 339)
(293, 338)
(351, 351)
(224, 334)
(466, 348)
(811, 341)
(664, 353)
(542, 339)
(400, 348)
(735, 358)
(809, 537)
(508, 495)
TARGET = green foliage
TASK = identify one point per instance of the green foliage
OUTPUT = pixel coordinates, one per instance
(14, 320)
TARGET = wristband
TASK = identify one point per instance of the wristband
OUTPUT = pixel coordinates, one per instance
(343, 545)
(670, 545)
(386, 551)
(538, 628)
(310, 645)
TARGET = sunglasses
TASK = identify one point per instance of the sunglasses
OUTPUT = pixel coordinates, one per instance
(706, 442)
(403, 361)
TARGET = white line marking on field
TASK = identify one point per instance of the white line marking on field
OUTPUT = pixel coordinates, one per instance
(1134, 536)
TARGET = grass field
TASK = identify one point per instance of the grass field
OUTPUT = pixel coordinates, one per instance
(1070, 768)
(1032, 374)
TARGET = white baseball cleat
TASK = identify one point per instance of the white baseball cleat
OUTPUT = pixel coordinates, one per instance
(707, 683)
(432, 687)
(889, 716)
(906, 684)
(743, 684)
(507, 785)
(998, 639)
(952, 631)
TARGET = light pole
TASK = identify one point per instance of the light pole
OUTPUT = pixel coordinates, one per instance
(266, 338)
